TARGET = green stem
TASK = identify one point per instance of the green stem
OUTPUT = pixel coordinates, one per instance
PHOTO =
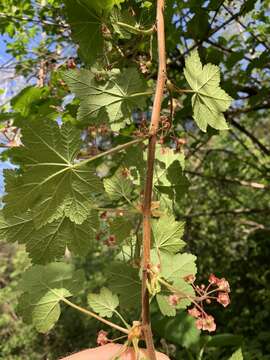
(122, 319)
(146, 93)
(109, 152)
(175, 290)
(194, 300)
(94, 315)
(200, 355)
(183, 91)
(135, 29)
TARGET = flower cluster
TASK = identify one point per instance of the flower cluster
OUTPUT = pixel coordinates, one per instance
(102, 338)
(217, 290)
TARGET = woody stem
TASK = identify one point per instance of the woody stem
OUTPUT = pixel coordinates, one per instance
(146, 320)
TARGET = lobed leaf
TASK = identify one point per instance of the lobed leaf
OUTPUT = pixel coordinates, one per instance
(112, 100)
(103, 303)
(121, 228)
(167, 234)
(118, 186)
(49, 242)
(124, 280)
(186, 289)
(174, 266)
(44, 288)
(85, 22)
(209, 100)
(168, 173)
(50, 183)
(164, 306)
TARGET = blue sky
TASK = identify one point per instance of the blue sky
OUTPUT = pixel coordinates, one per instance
(9, 87)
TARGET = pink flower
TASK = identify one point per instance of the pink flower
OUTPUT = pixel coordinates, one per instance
(223, 298)
(199, 323)
(173, 299)
(194, 312)
(209, 323)
(102, 338)
(213, 279)
(223, 285)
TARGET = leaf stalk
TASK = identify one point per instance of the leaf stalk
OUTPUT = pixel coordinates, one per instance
(94, 315)
(110, 152)
(136, 30)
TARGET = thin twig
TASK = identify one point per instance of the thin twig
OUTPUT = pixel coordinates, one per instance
(257, 38)
(250, 183)
(229, 212)
(237, 125)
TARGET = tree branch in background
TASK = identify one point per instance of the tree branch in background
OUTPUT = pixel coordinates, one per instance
(229, 212)
(253, 138)
(250, 184)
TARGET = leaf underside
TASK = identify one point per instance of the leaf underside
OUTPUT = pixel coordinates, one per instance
(209, 100)
(109, 101)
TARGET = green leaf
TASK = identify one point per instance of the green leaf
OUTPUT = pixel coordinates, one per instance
(23, 102)
(34, 102)
(222, 340)
(4, 116)
(122, 17)
(103, 303)
(111, 101)
(121, 228)
(209, 100)
(51, 183)
(124, 280)
(168, 156)
(49, 242)
(186, 289)
(118, 186)
(168, 174)
(104, 5)
(165, 157)
(164, 306)
(85, 25)
(133, 161)
(198, 26)
(175, 266)
(247, 6)
(167, 234)
(180, 330)
(237, 355)
(44, 287)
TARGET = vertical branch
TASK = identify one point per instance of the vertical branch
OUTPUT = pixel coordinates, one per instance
(146, 321)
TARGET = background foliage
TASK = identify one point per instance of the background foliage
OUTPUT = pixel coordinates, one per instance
(226, 206)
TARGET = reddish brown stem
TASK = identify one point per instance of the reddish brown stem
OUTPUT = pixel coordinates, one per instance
(146, 319)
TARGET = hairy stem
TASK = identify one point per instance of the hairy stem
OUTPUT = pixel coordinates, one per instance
(94, 315)
(146, 260)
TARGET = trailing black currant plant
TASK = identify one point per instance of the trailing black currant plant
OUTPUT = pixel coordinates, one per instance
(66, 193)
